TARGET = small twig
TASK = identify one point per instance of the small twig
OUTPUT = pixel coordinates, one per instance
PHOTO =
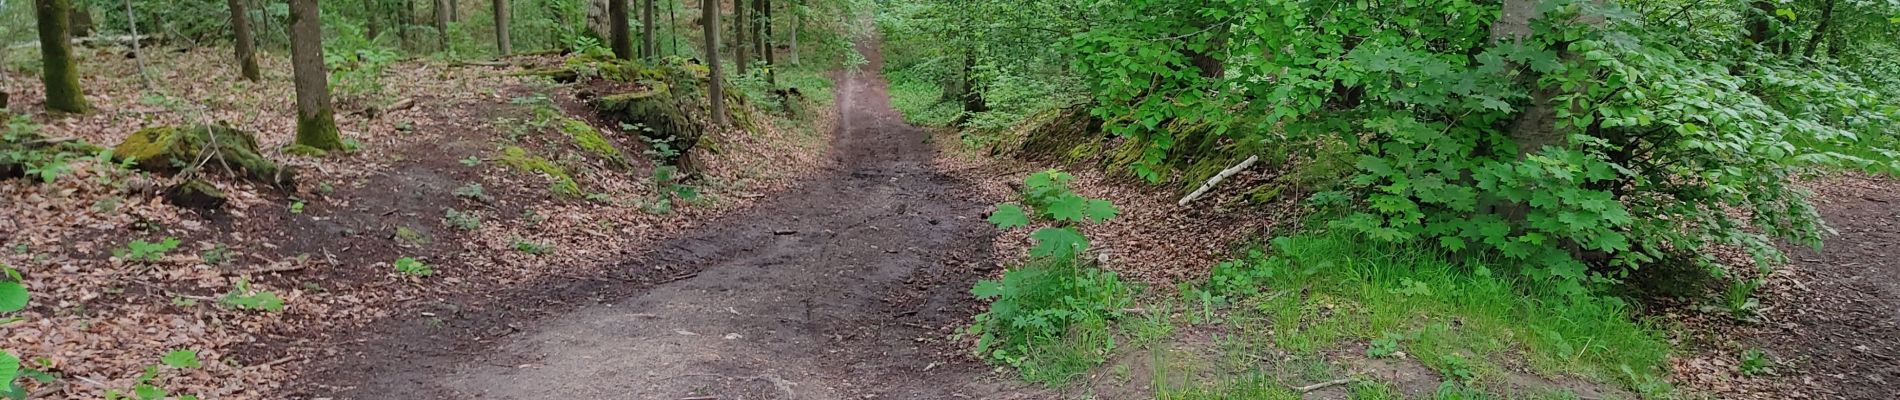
(678, 278)
(1205, 186)
(1322, 385)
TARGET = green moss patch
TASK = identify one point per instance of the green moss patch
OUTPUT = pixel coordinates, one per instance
(521, 159)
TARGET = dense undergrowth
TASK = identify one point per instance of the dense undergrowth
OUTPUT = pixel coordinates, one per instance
(1520, 167)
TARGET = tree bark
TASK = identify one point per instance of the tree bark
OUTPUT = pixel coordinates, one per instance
(1535, 127)
(709, 10)
(405, 17)
(1760, 25)
(441, 24)
(455, 10)
(765, 43)
(756, 28)
(243, 42)
(316, 120)
(58, 71)
(1820, 30)
(798, 23)
(372, 18)
(646, 31)
(501, 28)
(672, 23)
(740, 56)
(617, 28)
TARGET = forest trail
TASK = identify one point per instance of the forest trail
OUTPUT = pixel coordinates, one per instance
(840, 288)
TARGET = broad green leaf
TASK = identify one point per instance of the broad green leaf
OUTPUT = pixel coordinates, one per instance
(9, 368)
(1061, 243)
(1099, 210)
(1008, 216)
(987, 289)
(13, 296)
(181, 359)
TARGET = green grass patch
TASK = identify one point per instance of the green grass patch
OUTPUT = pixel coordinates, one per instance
(922, 103)
(1456, 317)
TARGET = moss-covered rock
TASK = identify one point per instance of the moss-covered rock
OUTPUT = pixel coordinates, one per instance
(593, 142)
(195, 194)
(170, 149)
(521, 159)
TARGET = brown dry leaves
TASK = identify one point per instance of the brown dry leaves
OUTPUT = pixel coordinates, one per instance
(98, 321)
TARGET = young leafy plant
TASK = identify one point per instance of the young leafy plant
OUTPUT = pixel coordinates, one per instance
(243, 297)
(1054, 297)
(410, 267)
(13, 297)
(141, 251)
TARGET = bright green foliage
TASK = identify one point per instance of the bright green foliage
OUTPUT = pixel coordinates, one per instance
(1755, 362)
(13, 297)
(1596, 138)
(1050, 317)
(410, 267)
(141, 251)
(180, 359)
(521, 159)
(243, 297)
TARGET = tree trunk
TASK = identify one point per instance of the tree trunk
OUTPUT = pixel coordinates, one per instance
(1820, 30)
(1760, 26)
(647, 48)
(1535, 127)
(740, 56)
(798, 23)
(58, 70)
(372, 18)
(756, 29)
(455, 10)
(243, 41)
(316, 120)
(441, 24)
(617, 28)
(405, 17)
(709, 10)
(672, 23)
(501, 28)
(138, 54)
(765, 42)
(81, 21)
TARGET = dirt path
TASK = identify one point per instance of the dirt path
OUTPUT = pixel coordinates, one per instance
(841, 288)
(1841, 324)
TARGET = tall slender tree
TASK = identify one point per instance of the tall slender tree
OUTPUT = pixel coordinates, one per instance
(501, 27)
(739, 54)
(766, 47)
(316, 120)
(647, 48)
(441, 24)
(58, 70)
(620, 34)
(243, 41)
(709, 12)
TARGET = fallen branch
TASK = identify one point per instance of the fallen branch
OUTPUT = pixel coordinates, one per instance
(484, 64)
(1205, 186)
(1322, 385)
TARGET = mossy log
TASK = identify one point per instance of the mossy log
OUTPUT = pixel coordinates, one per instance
(1060, 131)
(170, 149)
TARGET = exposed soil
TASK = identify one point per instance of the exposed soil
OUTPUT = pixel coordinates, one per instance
(847, 286)
(1840, 323)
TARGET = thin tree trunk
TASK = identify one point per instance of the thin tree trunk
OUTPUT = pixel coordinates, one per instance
(798, 23)
(138, 55)
(372, 18)
(709, 10)
(620, 34)
(647, 48)
(455, 10)
(672, 23)
(765, 30)
(316, 120)
(441, 24)
(501, 28)
(58, 71)
(755, 29)
(243, 41)
(740, 56)
(1820, 30)
(405, 17)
